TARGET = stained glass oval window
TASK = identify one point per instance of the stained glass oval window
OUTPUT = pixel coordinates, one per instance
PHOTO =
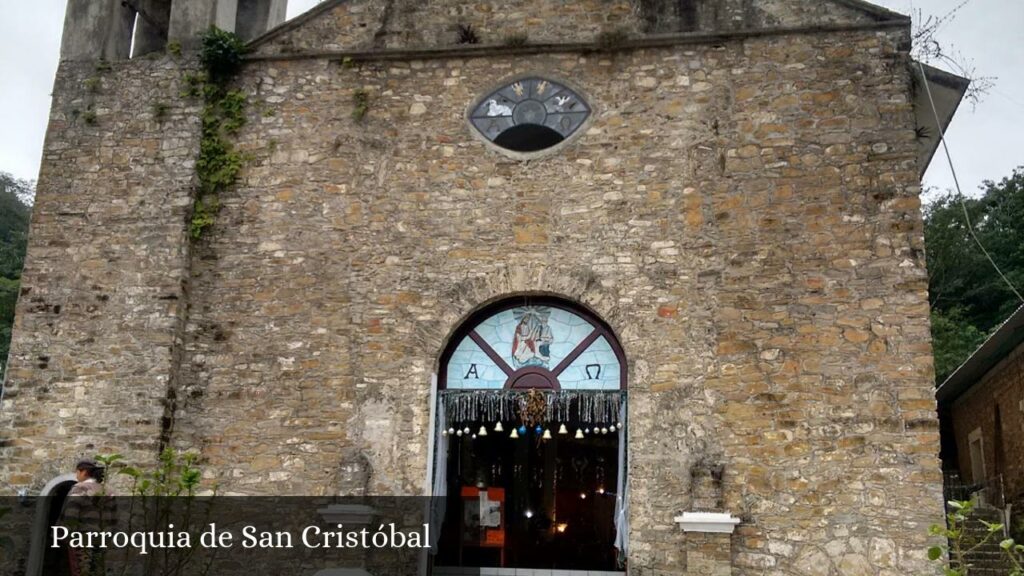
(544, 344)
(529, 114)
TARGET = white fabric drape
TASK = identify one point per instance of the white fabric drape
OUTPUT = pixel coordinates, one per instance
(439, 491)
(622, 491)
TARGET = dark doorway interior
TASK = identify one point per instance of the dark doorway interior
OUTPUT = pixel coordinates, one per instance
(554, 499)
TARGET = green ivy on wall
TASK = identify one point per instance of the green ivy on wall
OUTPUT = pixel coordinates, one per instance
(223, 116)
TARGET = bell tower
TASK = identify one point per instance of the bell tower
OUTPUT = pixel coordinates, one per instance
(247, 18)
(122, 29)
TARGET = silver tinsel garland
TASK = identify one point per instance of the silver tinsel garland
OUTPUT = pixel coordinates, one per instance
(583, 406)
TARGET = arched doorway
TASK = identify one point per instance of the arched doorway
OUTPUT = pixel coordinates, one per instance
(531, 441)
(43, 559)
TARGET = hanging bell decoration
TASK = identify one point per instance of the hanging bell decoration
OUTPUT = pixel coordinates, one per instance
(547, 435)
(482, 432)
(498, 427)
(579, 433)
(538, 429)
(522, 430)
(514, 434)
(562, 429)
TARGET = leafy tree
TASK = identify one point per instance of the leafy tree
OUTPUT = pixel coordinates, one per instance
(15, 207)
(953, 340)
(968, 297)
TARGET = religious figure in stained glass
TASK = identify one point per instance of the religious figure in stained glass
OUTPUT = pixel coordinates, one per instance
(531, 345)
(548, 346)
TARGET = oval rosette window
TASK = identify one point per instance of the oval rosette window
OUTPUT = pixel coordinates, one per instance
(529, 115)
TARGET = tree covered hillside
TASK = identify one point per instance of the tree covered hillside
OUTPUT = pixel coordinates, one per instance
(968, 298)
(15, 208)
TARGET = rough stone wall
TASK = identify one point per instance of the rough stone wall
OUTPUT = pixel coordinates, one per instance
(709, 554)
(725, 15)
(364, 24)
(1003, 386)
(745, 216)
(102, 292)
(406, 23)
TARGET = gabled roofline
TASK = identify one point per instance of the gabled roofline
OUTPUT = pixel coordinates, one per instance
(297, 22)
(638, 43)
(937, 78)
(879, 13)
(999, 345)
(873, 10)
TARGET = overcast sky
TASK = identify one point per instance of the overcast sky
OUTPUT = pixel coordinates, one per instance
(987, 142)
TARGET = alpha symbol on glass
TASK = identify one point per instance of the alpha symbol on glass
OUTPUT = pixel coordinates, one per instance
(471, 372)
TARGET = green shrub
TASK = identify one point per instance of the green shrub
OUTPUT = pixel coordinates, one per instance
(221, 54)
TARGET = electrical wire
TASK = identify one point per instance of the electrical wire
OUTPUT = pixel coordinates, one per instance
(956, 181)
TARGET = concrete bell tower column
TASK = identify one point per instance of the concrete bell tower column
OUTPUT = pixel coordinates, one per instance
(255, 17)
(97, 29)
(247, 18)
(191, 18)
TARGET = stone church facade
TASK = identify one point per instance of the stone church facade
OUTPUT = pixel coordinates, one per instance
(738, 205)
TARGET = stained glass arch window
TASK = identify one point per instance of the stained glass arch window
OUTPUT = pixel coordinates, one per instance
(536, 343)
(529, 114)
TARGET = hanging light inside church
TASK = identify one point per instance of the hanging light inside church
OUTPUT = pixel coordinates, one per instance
(583, 495)
(547, 435)
(562, 429)
(601, 490)
(514, 434)
(498, 427)
(528, 514)
(579, 433)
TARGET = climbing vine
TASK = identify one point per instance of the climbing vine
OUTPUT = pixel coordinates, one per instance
(360, 104)
(223, 116)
